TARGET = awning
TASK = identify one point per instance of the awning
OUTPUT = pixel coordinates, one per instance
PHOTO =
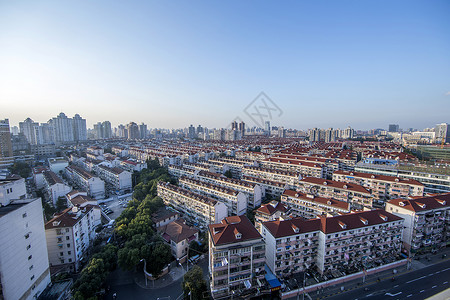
(271, 278)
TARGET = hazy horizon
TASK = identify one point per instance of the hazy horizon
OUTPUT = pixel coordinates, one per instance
(172, 64)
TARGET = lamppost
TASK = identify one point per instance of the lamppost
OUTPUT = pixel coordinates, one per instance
(145, 270)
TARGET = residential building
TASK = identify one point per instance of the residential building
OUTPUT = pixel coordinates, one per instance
(132, 166)
(270, 188)
(38, 176)
(117, 179)
(235, 201)
(178, 235)
(79, 128)
(331, 243)
(236, 256)
(442, 132)
(6, 152)
(68, 237)
(58, 164)
(292, 165)
(62, 128)
(355, 194)
(427, 221)
(32, 131)
(80, 199)
(164, 216)
(12, 188)
(54, 186)
(287, 177)
(24, 267)
(133, 131)
(381, 186)
(94, 186)
(394, 128)
(254, 191)
(269, 212)
(310, 206)
(194, 207)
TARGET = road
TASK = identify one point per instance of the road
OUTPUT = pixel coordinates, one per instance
(124, 285)
(418, 284)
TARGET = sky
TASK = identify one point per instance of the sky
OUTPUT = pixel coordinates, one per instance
(169, 64)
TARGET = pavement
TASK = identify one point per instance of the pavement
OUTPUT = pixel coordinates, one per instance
(428, 264)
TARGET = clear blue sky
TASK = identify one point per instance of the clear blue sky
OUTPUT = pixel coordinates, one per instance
(173, 63)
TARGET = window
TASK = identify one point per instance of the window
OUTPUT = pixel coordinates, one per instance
(68, 245)
(29, 257)
(31, 267)
(32, 277)
(69, 252)
(67, 229)
(28, 247)
(70, 260)
(61, 253)
(24, 215)
(67, 238)
(59, 240)
(27, 236)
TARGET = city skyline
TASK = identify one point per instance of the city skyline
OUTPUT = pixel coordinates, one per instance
(363, 65)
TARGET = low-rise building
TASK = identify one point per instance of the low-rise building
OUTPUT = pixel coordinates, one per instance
(38, 176)
(310, 206)
(164, 216)
(178, 235)
(194, 207)
(427, 221)
(68, 237)
(116, 178)
(12, 188)
(355, 194)
(381, 186)
(270, 187)
(235, 201)
(331, 243)
(54, 186)
(269, 212)
(57, 164)
(303, 167)
(94, 186)
(236, 256)
(132, 165)
(286, 177)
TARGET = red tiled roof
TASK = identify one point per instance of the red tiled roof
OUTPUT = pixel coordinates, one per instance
(177, 231)
(335, 184)
(270, 209)
(224, 232)
(416, 204)
(379, 177)
(321, 200)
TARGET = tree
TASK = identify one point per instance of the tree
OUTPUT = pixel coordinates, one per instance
(22, 169)
(194, 284)
(228, 174)
(61, 204)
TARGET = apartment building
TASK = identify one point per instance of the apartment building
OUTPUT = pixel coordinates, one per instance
(427, 221)
(12, 188)
(329, 165)
(310, 206)
(269, 212)
(302, 167)
(178, 171)
(68, 237)
(286, 177)
(57, 164)
(269, 187)
(355, 194)
(331, 243)
(94, 186)
(236, 201)
(54, 186)
(253, 191)
(38, 176)
(178, 235)
(194, 207)
(236, 256)
(382, 187)
(233, 164)
(80, 199)
(24, 268)
(116, 178)
(132, 166)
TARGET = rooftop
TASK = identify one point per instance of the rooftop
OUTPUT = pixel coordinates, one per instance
(233, 229)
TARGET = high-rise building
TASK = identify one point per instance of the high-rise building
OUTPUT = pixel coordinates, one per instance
(267, 127)
(329, 135)
(98, 131)
(143, 131)
(24, 267)
(442, 132)
(133, 131)
(394, 128)
(348, 133)
(47, 133)
(79, 128)
(106, 130)
(242, 128)
(32, 131)
(63, 128)
(314, 135)
(122, 131)
(6, 153)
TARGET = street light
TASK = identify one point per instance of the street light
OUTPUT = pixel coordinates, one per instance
(145, 270)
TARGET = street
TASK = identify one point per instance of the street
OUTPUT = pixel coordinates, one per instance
(128, 285)
(418, 284)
